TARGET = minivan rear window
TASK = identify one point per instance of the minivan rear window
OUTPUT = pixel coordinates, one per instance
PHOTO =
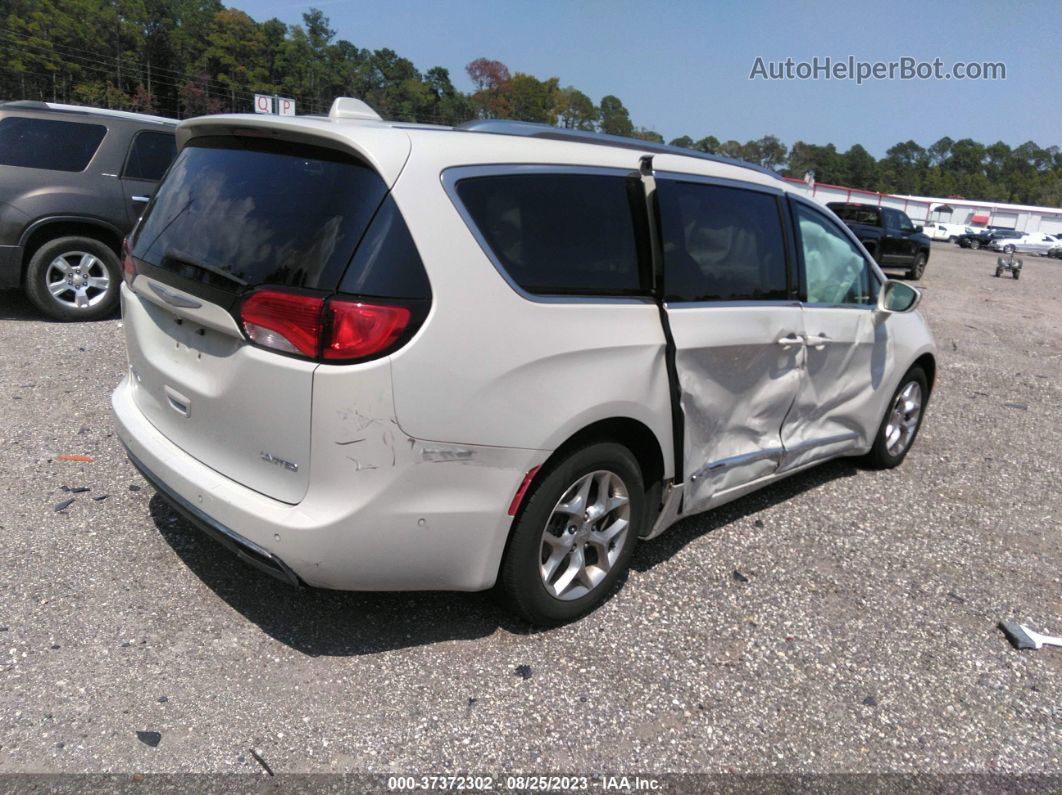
(237, 212)
(47, 143)
(562, 233)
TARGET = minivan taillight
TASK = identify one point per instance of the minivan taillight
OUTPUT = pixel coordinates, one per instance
(360, 329)
(284, 321)
(331, 329)
(128, 263)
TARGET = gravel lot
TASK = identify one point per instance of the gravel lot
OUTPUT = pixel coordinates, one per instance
(844, 620)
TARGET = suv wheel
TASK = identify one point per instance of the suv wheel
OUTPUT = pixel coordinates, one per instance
(74, 278)
(1008, 249)
(575, 535)
(918, 267)
(902, 420)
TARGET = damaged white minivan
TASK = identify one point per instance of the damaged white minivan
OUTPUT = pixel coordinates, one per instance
(378, 356)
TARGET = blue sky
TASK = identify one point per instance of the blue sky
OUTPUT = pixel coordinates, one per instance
(683, 67)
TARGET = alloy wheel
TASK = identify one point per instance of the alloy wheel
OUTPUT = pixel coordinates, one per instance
(903, 419)
(584, 535)
(77, 279)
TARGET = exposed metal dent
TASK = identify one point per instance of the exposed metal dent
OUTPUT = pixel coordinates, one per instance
(771, 453)
(795, 454)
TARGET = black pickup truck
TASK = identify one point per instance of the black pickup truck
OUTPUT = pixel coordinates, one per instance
(889, 235)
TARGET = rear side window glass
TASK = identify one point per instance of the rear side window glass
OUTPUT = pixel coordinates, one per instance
(835, 270)
(857, 213)
(240, 212)
(721, 243)
(150, 155)
(46, 143)
(561, 233)
(387, 263)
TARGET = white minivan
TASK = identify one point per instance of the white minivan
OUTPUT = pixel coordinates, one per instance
(370, 355)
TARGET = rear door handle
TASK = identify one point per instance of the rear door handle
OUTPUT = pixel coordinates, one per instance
(144, 199)
(816, 341)
(792, 339)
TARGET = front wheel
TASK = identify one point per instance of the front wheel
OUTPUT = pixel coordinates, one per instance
(74, 278)
(902, 420)
(575, 534)
(1017, 273)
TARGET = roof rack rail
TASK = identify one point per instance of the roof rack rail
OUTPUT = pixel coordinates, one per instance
(534, 130)
(33, 104)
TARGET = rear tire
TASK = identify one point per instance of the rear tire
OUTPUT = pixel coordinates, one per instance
(918, 267)
(1017, 273)
(897, 432)
(975, 244)
(74, 278)
(551, 573)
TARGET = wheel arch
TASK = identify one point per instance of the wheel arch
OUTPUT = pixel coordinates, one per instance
(40, 232)
(633, 434)
(928, 363)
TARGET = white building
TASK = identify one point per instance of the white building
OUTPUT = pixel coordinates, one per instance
(927, 209)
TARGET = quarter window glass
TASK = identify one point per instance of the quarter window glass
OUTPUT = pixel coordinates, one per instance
(836, 272)
(560, 233)
(720, 243)
(46, 143)
(150, 155)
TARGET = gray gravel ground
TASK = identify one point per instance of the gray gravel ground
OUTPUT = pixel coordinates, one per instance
(863, 640)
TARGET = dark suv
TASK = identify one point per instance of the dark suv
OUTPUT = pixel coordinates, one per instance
(73, 182)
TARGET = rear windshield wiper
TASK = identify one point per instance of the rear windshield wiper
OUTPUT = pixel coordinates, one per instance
(171, 256)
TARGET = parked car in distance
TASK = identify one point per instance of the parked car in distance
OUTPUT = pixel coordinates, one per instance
(942, 231)
(73, 182)
(889, 235)
(373, 356)
(981, 238)
(1029, 243)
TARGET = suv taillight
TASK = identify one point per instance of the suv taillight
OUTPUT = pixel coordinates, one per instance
(128, 264)
(330, 329)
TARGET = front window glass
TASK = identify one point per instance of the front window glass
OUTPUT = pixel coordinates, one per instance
(835, 270)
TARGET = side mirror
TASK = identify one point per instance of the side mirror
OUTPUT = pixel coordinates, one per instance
(918, 229)
(897, 296)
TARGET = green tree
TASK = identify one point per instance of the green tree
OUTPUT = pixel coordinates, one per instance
(644, 134)
(529, 99)
(859, 169)
(574, 110)
(615, 118)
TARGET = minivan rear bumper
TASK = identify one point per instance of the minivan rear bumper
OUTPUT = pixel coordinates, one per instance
(430, 521)
(231, 540)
